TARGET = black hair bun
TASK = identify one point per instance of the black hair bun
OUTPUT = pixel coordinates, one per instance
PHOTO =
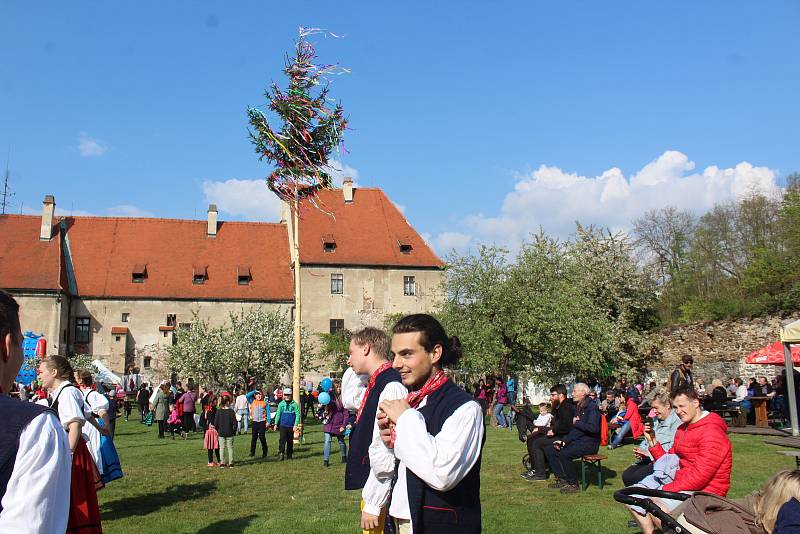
(453, 352)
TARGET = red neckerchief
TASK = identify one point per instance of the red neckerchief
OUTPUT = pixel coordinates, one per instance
(384, 366)
(415, 398)
(432, 384)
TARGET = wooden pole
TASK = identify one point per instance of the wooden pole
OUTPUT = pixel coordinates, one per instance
(297, 314)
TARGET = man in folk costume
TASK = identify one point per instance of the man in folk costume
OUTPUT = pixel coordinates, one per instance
(437, 434)
(368, 353)
(35, 462)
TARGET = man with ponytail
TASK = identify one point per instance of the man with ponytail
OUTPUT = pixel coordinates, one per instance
(35, 462)
(436, 433)
(370, 465)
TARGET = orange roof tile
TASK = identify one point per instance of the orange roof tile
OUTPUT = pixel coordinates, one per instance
(119, 330)
(26, 262)
(368, 231)
(106, 251)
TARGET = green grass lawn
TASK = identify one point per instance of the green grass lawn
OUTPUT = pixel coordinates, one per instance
(168, 488)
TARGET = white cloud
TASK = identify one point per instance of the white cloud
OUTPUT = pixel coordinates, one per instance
(90, 147)
(339, 171)
(448, 241)
(250, 199)
(126, 210)
(552, 199)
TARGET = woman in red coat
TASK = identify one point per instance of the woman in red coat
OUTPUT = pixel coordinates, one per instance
(631, 421)
(703, 449)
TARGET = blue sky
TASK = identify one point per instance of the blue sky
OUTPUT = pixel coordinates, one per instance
(483, 120)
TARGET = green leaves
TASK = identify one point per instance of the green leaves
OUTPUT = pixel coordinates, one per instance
(571, 308)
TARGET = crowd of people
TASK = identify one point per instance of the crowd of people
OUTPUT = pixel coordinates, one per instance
(680, 444)
(411, 438)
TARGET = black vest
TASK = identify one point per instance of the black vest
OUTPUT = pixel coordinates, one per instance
(357, 469)
(16, 416)
(459, 509)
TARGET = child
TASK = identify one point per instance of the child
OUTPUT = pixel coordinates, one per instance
(174, 421)
(541, 424)
(211, 438)
(287, 417)
(259, 416)
(225, 423)
(334, 424)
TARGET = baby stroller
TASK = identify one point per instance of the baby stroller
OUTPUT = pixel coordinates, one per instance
(726, 517)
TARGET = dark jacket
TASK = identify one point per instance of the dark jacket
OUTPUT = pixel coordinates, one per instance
(679, 378)
(788, 518)
(336, 418)
(225, 422)
(587, 428)
(562, 418)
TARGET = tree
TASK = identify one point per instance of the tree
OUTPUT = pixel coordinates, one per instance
(665, 235)
(256, 342)
(335, 347)
(576, 308)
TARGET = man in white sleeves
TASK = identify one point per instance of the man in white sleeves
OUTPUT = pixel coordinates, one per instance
(368, 353)
(35, 465)
(436, 433)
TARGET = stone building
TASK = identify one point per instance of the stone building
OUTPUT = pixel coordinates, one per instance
(118, 289)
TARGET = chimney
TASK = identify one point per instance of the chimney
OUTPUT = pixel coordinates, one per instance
(48, 209)
(212, 220)
(347, 189)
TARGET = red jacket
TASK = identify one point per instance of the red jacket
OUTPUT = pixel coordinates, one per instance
(633, 417)
(705, 456)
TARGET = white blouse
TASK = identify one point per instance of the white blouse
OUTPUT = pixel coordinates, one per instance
(37, 495)
(353, 388)
(94, 402)
(70, 404)
(441, 461)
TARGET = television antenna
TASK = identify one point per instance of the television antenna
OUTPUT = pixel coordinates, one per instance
(5, 201)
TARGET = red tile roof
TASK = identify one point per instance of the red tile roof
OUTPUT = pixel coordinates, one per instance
(119, 330)
(106, 250)
(368, 231)
(26, 262)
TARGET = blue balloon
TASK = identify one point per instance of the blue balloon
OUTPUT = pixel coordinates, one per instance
(326, 384)
(324, 398)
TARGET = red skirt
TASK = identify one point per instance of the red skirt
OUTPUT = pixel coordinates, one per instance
(84, 512)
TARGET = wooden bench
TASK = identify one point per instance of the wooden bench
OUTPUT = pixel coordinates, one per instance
(736, 414)
(592, 460)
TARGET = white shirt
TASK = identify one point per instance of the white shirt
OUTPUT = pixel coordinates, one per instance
(741, 393)
(381, 459)
(37, 497)
(353, 388)
(94, 402)
(241, 403)
(543, 420)
(441, 461)
(70, 404)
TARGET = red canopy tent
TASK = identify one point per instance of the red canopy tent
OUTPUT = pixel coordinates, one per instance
(773, 355)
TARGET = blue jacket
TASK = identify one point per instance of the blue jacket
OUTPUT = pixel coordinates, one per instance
(587, 428)
(788, 518)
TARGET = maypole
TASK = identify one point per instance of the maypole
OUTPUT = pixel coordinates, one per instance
(311, 128)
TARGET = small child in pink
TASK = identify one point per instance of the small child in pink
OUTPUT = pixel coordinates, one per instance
(211, 439)
(174, 422)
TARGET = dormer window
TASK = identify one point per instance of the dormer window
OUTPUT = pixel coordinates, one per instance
(243, 275)
(328, 243)
(199, 274)
(404, 243)
(139, 273)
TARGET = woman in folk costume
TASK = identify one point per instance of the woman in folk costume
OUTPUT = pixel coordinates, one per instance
(437, 434)
(95, 406)
(67, 401)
